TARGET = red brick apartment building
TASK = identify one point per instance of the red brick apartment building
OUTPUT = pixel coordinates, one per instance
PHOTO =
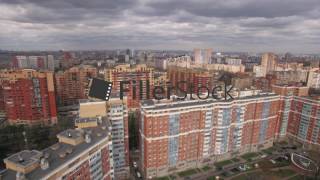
(130, 73)
(195, 77)
(72, 84)
(304, 121)
(299, 115)
(28, 97)
(179, 135)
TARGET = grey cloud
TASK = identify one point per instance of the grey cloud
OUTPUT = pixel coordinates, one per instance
(231, 8)
(67, 4)
(244, 25)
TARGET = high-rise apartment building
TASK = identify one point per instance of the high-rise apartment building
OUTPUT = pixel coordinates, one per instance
(179, 61)
(303, 121)
(140, 81)
(299, 115)
(68, 60)
(179, 135)
(290, 77)
(85, 153)
(233, 61)
(116, 112)
(33, 62)
(268, 62)
(202, 56)
(314, 79)
(290, 90)
(265, 83)
(72, 84)
(97, 149)
(28, 97)
(194, 77)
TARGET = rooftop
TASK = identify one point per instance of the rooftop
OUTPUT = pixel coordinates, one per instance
(25, 158)
(159, 105)
(58, 154)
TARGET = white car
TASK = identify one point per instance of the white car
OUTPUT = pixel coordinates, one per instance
(273, 161)
(138, 175)
(263, 156)
(244, 167)
(135, 165)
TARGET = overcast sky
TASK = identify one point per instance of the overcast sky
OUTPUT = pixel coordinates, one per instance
(224, 25)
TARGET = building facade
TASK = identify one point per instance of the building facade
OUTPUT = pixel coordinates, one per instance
(195, 77)
(79, 154)
(202, 56)
(28, 97)
(225, 67)
(233, 61)
(33, 62)
(116, 112)
(304, 120)
(72, 84)
(140, 82)
(269, 62)
(314, 79)
(175, 136)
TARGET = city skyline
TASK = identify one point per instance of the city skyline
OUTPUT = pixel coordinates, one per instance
(244, 25)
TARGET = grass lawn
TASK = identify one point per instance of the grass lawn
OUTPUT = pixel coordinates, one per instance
(235, 159)
(283, 142)
(299, 177)
(249, 156)
(246, 176)
(283, 173)
(266, 164)
(280, 174)
(187, 172)
(241, 177)
(268, 151)
(206, 168)
(223, 163)
(163, 178)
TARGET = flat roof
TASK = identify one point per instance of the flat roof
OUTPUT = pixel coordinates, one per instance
(25, 157)
(53, 152)
(150, 104)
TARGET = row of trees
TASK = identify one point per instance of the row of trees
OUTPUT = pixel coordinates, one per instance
(133, 131)
(14, 138)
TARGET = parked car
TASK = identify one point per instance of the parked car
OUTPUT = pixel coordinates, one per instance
(138, 175)
(244, 167)
(263, 156)
(135, 165)
(273, 161)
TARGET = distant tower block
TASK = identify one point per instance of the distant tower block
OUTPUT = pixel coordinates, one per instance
(202, 56)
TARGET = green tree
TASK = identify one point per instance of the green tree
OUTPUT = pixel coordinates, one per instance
(133, 132)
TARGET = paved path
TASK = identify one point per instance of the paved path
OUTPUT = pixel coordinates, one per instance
(212, 172)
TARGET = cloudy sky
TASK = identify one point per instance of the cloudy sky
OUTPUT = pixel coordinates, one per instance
(224, 25)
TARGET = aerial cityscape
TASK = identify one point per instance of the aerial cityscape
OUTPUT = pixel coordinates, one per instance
(157, 89)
